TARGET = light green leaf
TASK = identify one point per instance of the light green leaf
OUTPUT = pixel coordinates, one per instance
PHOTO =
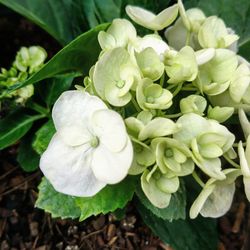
(108, 199)
(27, 157)
(77, 56)
(58, 204)
(15, 126)
(182, 234)
(43, 137)
(176, 209)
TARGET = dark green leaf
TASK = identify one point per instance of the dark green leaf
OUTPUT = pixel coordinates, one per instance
(236, 14)
(52, 88)
(59, 205)
(63, 19)
(27, 157)
(197, 234)
(43, 137)
(108, 199)
(245, 50)
(15, 126)
(77, 56)
(175, 210)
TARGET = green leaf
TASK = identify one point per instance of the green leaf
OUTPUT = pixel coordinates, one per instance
(63, 19)
(15, 126)
(108, 199)
(77, 56)
(43, 137)
(58, 204)
(197, 234)
(52, 88)
(27, 157)
(245, 50)
(175, 210)
(236, 14)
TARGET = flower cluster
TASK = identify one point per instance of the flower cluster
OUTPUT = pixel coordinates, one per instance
(28, 61)
(154, 106)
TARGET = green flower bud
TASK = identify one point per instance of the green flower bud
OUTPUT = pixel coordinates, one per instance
(182, 67)
(150, 64)
(193, 104)
(24, 93)
(220, 114)
(152, 96)
(214, 76)
(151, 21)
(114, 76)
(31, 58)
(173, 156)
(119, 34)
(214, 34)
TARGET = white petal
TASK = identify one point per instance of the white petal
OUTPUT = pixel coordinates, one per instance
(246, 181)
(75, 108)
(219, 202)
(109, 127)
(112, 167)
(200, 200)
(68, 169)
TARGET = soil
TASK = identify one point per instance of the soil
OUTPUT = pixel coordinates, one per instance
(22, 226)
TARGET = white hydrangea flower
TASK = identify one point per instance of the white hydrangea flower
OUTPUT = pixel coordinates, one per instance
(90, 149)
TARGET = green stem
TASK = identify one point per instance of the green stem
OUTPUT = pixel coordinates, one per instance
(234, 164)
(189, 89)
(173, 115)
(38, 108)
(135, 104)
(198, 179)
(139, 142)
(237, 144)
(177, 90)
(188, 38)
(162, 79)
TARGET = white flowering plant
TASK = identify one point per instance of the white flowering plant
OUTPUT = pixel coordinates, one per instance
(151, 120)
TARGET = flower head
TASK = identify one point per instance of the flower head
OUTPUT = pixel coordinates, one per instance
(90, 148)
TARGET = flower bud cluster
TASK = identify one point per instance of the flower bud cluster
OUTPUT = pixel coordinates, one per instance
(28, 61)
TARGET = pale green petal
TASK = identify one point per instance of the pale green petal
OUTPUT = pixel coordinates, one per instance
(134, 126)
(246, 181)
(151, 21)
(157, 197)
(193, 104)
(158, 127)
(219, 202)
(200, 201)
(220, 114)
(244, 122)
(205, 55)
(211, 151)
(168, 185)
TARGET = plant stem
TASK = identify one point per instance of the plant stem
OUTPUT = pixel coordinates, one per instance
(162, 79)
(234, 164)
(177, 90)
(135, 104)
(173, 115)
(198, 179)
(38, 108)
